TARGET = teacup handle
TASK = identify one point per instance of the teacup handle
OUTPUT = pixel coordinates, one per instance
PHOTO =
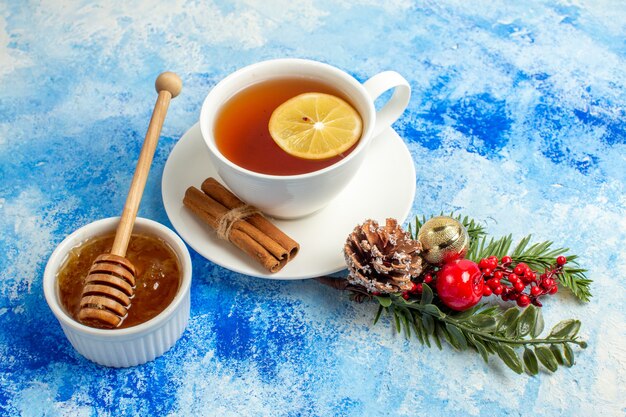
(398, 102)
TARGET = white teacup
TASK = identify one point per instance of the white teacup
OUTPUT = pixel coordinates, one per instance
(293, 196)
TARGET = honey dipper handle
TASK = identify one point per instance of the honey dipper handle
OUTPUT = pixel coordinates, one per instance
(168, 85)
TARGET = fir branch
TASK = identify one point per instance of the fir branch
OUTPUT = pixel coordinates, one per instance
(488, 330)
(577, 282)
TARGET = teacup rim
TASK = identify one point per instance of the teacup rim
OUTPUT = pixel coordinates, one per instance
(363, 142)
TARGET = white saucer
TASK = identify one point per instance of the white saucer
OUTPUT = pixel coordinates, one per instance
(384, 187)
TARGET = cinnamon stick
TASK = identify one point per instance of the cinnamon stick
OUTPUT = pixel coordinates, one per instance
(210, 211)
(251, 233)
(221, 194)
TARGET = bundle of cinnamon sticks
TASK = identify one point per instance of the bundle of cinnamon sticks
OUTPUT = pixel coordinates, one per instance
(241, 224)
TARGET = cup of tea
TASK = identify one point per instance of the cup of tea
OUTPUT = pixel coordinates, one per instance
(234, 124)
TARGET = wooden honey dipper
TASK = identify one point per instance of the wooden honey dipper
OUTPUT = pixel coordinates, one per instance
(110, 283)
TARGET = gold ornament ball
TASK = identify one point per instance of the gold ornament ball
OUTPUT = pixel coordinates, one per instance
(443, 239)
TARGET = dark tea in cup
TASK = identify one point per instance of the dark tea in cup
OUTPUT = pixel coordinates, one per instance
(241, 127)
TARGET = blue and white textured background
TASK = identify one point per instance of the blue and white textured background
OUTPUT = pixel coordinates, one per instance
(518, 118)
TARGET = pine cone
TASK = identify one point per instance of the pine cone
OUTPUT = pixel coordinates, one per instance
(382, 259)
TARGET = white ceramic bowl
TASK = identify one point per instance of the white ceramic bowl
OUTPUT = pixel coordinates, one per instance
(133, 345)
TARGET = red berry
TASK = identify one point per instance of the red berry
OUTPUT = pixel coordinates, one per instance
(561, 260)
(460, 284)
(405, 295)
(497, 290)
(484, 263)
(519, 269)
(523, 300)
(428, 279)
(486, 291)
(519, 286)
(419, 288)
(487, 272)
(553, 290)
(506, 260)
(413, 288)
(547, 283)
(535, 291)
(513, 278)
(498, 274)
(530, 276)
(493, 282)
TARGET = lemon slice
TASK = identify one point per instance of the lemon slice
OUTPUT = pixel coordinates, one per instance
(315, 126)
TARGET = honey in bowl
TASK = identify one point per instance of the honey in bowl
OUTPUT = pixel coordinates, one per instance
(158, 275)
(242, 134)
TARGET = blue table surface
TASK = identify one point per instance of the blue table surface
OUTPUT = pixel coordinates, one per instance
(517, 119)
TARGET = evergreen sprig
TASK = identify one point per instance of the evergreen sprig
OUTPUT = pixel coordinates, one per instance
(489, 330)
(512, 334)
